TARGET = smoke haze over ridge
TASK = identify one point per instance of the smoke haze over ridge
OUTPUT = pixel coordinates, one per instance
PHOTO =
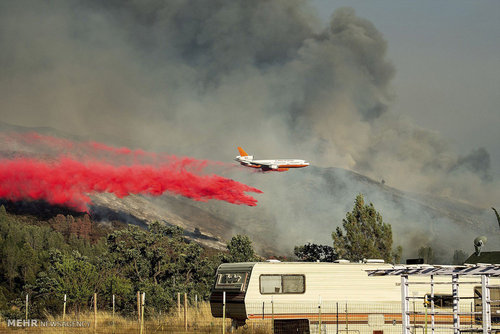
(199, 79)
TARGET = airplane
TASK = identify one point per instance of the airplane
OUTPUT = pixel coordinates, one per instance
(277, 165)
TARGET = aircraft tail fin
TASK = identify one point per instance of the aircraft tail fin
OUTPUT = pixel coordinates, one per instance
(242, 152)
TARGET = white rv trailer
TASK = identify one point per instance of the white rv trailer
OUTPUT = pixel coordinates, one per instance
(310, 297)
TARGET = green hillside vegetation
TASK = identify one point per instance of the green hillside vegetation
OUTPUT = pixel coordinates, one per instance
(48, 260)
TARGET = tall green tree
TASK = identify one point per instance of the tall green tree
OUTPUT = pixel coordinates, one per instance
(459, 257)
(397, 254)
(240, 249)
(426, 253)
(70, 274)
(314, 252)
(364, 234)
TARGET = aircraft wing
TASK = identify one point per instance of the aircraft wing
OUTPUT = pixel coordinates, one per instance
(264, 165)
(259, 164)
(251, 164)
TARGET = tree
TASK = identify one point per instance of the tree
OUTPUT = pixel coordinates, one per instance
(70, 274)
(365, 234)
(426, 253)
(313, 252)
(160, 262)
(459, 257)
(397, 254)
(240, 250)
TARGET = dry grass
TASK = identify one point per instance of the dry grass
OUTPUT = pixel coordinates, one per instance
(199, 320)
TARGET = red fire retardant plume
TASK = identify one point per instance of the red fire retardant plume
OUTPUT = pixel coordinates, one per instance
(68, 182)
(91, 150)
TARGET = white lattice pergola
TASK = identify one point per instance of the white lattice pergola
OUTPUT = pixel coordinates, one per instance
(483, 271)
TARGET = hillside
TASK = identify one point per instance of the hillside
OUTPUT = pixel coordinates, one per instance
(417, 220)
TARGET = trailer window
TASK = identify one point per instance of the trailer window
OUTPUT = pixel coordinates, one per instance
(293, 284)
(277, 284)
(270, 284)
(440, 300)
(232, 281)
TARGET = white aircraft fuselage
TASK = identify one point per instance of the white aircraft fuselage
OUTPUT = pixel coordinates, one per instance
(277, 165)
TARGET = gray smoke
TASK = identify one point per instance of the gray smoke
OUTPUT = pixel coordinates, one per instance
(201, 77)
(478, 162)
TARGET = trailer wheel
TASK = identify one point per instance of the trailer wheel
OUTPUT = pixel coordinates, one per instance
(300, 326)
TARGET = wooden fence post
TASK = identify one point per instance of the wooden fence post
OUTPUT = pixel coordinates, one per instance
(185, 311)
(178, 304)
(142, 311)
(26, 307)
(272, 313)
(113, 313)
(95, 311)
(223, 312)
(138, 308)
(64, 307)
(319, 315)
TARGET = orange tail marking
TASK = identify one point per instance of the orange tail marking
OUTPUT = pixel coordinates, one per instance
(242, 152)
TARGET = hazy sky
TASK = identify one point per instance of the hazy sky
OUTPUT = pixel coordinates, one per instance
(447, 60)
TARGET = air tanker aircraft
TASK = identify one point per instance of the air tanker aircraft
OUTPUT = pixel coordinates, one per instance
(278, 165)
